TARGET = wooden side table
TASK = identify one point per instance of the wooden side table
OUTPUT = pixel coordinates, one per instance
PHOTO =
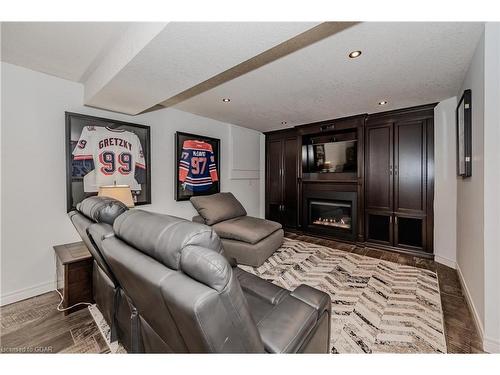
(74, 274)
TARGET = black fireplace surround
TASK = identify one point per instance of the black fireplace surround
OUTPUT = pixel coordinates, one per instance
(332, 213)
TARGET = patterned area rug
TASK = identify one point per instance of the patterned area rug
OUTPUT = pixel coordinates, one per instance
(377, 306)
(114, 347)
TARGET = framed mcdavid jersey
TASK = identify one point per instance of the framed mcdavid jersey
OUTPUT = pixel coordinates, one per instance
(103, 152)
(197, 165)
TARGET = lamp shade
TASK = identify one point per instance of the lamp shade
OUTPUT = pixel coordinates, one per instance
(121, 193)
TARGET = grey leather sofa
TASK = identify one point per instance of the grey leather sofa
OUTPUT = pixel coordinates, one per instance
(108, 295)
(184, 296)
(247, 239)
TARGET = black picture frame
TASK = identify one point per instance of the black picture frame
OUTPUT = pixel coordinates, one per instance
(181, 193)
(464, 135)
(75, 122)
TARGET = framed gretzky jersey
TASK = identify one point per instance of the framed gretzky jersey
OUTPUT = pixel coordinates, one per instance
(197, 167)
(102, 152)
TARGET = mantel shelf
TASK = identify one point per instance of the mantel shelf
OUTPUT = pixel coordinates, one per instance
(356, 181)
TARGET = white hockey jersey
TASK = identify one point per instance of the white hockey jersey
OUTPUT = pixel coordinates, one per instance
(116, 154)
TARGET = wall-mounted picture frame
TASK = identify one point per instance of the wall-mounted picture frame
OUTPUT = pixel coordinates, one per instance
(464, 135)
(103, 152)
(197, 165)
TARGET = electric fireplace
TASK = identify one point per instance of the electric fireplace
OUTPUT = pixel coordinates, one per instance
(332, 213)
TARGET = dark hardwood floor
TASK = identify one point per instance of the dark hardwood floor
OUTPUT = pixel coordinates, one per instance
(34, 325)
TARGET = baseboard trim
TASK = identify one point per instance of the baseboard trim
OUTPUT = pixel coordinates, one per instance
(491, 345)
(475, 315)
(29, 292)
(446, 261)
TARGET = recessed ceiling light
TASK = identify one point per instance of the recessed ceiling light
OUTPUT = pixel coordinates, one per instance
(226, 100)
(283, 123)
(354, 54)
(383, 102)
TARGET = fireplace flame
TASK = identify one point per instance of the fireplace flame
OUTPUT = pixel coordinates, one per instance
(333, 222)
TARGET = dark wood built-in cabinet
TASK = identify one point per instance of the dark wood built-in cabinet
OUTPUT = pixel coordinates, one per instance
(349, 181)
(399, 179)
(378, 170)
(282, 198)
(390, 188)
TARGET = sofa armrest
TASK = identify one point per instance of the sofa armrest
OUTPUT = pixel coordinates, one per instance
(287, 327)
(315, 298)
(198, 219)
(260, 288)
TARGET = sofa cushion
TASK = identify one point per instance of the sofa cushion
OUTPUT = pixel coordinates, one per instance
(218, 207)
(246, 229)
(253, 255)
(101, 209)
(164, 237)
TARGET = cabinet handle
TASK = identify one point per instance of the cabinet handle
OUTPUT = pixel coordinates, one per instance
(396, 220)
(390, 219)
(395, 170)
(390, 170)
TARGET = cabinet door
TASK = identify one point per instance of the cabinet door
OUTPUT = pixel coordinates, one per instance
(378, 167)
(410, 165)
(379, 227)
(290, 165)
(274, 179)
(410, 232)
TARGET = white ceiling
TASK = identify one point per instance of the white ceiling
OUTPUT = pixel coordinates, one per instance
(69, 50)
(406, 64)
(185, 54)
(131, 67)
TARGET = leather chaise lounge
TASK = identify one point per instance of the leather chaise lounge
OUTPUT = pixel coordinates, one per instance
(249, 240)
(183, 295)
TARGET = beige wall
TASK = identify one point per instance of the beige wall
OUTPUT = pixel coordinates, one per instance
(492, 188)
(33, 174)
(470, 192)
(445, 183)
(478, 200)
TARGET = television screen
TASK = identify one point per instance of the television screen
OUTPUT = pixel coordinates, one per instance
(331, 157)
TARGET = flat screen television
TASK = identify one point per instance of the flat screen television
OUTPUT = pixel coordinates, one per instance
(330, 157)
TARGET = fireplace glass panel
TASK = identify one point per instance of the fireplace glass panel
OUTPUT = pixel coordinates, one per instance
(331, 214)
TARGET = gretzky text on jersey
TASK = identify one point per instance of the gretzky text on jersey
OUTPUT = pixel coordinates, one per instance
(197, 167)
(116, 154)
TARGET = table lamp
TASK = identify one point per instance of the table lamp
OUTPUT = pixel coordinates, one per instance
(121, 193)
